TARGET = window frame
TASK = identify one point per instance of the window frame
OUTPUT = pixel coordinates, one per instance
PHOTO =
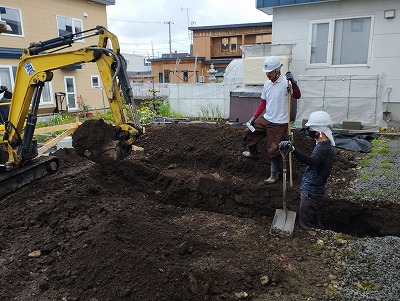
(73, 25)
(76, 107)
(98, 80)
(43, 101)
(11, 77)
(330, 42)
(20, 20)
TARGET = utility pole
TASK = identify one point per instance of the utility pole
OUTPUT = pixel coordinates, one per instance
(169, 30)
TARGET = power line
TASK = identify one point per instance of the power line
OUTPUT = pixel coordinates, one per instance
(133, 21)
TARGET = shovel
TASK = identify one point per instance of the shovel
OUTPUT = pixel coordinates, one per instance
(284, 220)
(387, 115)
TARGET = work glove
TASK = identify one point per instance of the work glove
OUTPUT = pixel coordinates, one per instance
(286, 145)
(252, 120)
(289, 77)
(3, 88)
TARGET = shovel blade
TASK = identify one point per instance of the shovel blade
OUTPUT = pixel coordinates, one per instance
(387, 116)
(283, 223)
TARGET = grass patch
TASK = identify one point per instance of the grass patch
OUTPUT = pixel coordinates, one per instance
(365, 162)
(211, 113)
(385, 164)
(380, 146)
(365, 176)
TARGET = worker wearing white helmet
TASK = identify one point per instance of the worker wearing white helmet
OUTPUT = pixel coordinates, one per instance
(319, 166)
(270, 120)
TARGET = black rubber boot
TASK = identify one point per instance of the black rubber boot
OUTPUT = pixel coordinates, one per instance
(252, 153)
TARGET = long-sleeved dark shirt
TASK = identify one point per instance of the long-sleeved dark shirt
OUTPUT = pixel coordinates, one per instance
(319, 167)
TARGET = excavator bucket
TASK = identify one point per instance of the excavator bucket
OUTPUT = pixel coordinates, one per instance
(101, 142)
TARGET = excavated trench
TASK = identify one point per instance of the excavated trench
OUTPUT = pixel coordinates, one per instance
(200, 165)
(209, 192)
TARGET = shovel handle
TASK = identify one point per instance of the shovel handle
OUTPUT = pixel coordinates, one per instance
(284, 185)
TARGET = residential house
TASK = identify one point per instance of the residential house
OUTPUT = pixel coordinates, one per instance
(212, 45)
(34, 21)
(347, 39)
(138, 67)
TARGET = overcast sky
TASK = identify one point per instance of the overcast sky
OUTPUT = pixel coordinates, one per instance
(142, 29)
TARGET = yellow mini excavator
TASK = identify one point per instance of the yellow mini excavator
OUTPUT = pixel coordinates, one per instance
(19, 160)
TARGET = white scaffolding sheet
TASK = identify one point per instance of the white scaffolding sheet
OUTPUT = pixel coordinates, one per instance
(355, 98)
(194, 100)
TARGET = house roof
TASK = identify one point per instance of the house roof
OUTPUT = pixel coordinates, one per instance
(259, 24)
(10, 53)
(106, 2)
(268, 5)
(188, 58)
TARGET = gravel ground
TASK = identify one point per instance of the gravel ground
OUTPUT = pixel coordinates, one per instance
(380, 173)
(372, 265)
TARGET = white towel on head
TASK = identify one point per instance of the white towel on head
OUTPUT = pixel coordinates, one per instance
(326, 130)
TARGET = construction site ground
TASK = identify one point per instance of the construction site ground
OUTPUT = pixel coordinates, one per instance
(186, 218)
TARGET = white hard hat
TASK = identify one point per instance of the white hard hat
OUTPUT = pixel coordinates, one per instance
(271, 63)
(319, 118)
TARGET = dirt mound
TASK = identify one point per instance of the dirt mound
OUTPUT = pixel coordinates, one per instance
(186, 219)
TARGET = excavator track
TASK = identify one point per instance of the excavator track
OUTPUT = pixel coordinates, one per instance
(31, 171)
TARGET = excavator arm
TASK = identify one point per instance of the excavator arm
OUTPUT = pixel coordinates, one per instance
(18, 146)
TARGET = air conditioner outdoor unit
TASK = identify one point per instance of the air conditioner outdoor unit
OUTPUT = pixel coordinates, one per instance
(201, 78)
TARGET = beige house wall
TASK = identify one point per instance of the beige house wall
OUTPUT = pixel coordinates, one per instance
(202, 46)
(39, 22)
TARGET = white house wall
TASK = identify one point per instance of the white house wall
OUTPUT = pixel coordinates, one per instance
(291, 26)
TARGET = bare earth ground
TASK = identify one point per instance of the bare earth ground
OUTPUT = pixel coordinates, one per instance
(186, 219)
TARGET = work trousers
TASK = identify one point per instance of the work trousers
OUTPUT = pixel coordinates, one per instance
(273, 132)
(308, 212)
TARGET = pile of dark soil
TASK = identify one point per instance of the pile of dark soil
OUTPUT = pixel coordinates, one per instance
(186, 219)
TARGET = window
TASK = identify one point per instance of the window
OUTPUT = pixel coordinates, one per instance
(229, 44)
(68, 26)
(95, 81)
(340, 42)
(166, 76)
(6, 77)
(70, 92)
(185, 75)
(46, 94)
(233, 41)
(263, 39)
(13, 18)
(225, 45)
